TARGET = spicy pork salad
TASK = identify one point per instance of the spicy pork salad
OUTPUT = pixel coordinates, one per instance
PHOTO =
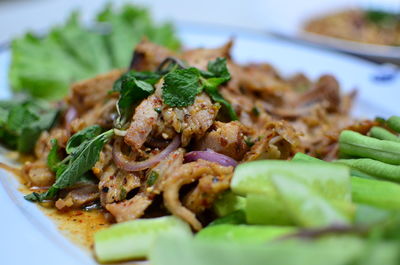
(194, 158)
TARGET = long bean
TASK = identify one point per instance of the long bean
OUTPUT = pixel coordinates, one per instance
(383, 134)
(353, 172)
(358, 145)
(373, 167)
(378, 193)
(382, 194)
(394, 123)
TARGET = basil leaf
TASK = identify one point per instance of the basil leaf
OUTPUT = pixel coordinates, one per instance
(82, 136)
(181, 87)
(132, 91)
(79, 164)
(53, 158)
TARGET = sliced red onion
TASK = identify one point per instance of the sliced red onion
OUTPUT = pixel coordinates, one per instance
(212, 156)
(122, 162)
(70, 115)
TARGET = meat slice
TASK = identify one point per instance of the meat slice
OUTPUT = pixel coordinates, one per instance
(162, 170)
(194, 120)
(148, 56)
(143, 120)
(88, 93)
(199, 58)
(326, 88)
(226, 138)
(78, 197)
(115, 184)
(186, 174)
(206, 192)
(278, 140)
(129, 209)
(38, 174)
(136, 206)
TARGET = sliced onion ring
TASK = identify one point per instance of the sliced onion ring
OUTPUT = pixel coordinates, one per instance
(212, 156)
(70, 115)
(128, 165)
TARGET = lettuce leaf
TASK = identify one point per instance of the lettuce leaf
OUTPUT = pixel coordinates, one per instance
(45, 66)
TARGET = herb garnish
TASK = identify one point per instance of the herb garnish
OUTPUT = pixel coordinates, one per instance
(74, 167)
(22, 122)
(181, 86)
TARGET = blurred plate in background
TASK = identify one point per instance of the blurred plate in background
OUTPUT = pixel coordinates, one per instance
(286, 18)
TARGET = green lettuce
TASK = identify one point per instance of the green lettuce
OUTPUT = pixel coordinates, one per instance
(45, 66)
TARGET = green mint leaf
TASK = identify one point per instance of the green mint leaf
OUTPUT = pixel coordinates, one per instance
(149, 77)
(79, 163)
(132, 92)
(219, 69)
(82, 136)
(181, 87)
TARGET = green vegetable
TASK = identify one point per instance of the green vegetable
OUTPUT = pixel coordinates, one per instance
(262, 209)
(133, 239)
(22, 122)
(371, 192)
(236, 217)
(307, 207)
(373, 168)
(81, 137)
(394, 123)
(128, 27)
(227, 203)
(327, 251)
(53, 158)
(79, 162)
(181, 87)
(132, 92)
(152, 178)
(255, 177)
(355, 144)
(353, 172)
(376, 193)
(242, 233)
(382, 18)
(148, 77)
(73, 52)
(383, 134)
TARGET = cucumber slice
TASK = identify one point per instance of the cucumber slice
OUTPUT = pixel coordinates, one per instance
(266, 210)
(243, 233)
(255, 177)
(234, 218)
(229, 203)
(307, 207)
(367, 190)
(330, 251)
(132, 240)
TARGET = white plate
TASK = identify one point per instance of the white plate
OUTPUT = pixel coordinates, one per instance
(27, 236)
(289, 22)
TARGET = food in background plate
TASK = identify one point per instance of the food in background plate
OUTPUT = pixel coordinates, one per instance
(366, 26)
